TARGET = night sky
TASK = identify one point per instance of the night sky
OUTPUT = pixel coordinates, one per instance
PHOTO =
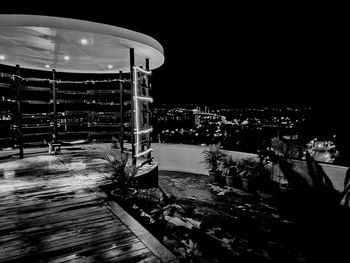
(225, 54)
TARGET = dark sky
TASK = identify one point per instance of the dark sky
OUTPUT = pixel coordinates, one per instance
(221, 53)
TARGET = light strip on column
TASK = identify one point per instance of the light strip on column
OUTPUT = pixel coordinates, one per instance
(145, 98)
(144, 71)
(137, 124)
(136, 112)
(144, 153)
(144, 131)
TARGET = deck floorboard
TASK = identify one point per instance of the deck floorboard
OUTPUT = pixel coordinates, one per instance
(49, 214)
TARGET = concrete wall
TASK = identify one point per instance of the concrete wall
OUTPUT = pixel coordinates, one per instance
(179, 157)
(335, 173)
(187, 158)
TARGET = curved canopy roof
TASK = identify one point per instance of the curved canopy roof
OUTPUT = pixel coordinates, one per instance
(70, 45)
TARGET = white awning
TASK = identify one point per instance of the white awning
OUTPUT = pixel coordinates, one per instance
(70, 45)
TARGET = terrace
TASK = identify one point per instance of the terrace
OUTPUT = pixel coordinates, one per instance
(55, 210)
(59, 208)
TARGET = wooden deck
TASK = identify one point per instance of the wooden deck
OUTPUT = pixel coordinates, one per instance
(52, 211)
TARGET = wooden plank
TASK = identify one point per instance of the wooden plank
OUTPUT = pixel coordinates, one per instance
(50, 244)
(40, 254)
(39, 210)
(21, 206)
(51, 213)
(53, 228)
(11, 229)
(31, 228)
(32, 211)
(89, 253)
(22, 220)
(129, 253)
(50, 195)
(57, 237)
(134, 256)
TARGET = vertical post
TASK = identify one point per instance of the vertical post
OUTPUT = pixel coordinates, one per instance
(133, 113)
(19, 112)
(147, 64)
(121, 112)
(142, 121)
(148, 110)
(54, 98)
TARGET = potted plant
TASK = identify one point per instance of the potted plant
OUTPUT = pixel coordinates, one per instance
(123, 173)
(229, 169)
(250, 170)
(212, 158)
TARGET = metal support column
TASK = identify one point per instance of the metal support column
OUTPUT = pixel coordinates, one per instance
(148, 137)
(142, 108)
(54, 99)
(133, 113)
(19, 112)
(121, 111)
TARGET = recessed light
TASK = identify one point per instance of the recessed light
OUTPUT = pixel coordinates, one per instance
(47, 66)
(110, 66)
(66, 58)
(2, 57)
(84, 41)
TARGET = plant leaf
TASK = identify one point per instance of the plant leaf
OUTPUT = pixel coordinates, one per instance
(313, 173)
(321, 177)
(298, 182)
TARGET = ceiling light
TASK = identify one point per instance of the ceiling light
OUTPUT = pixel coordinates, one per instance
(66, 58)
(110, 66)
(2, 57)
(84, 41)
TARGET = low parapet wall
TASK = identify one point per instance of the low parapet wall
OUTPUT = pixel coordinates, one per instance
(188, 158)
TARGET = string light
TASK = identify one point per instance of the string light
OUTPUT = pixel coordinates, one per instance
(149, 99)
(84, 41)
(5, 75)
(13, 76)
(144, 131)
(136, 97)
(137, 123)
(144, 153)
(136, 112)
(143, 71)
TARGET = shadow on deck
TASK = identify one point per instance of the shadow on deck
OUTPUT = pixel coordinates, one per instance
(52, 211)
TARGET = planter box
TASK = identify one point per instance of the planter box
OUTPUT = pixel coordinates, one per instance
(123, 193)
(229, 181)
(245, 184)
(249, 185)
(215, 177)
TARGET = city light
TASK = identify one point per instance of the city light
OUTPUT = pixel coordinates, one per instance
(84, 41)
(229, 126)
